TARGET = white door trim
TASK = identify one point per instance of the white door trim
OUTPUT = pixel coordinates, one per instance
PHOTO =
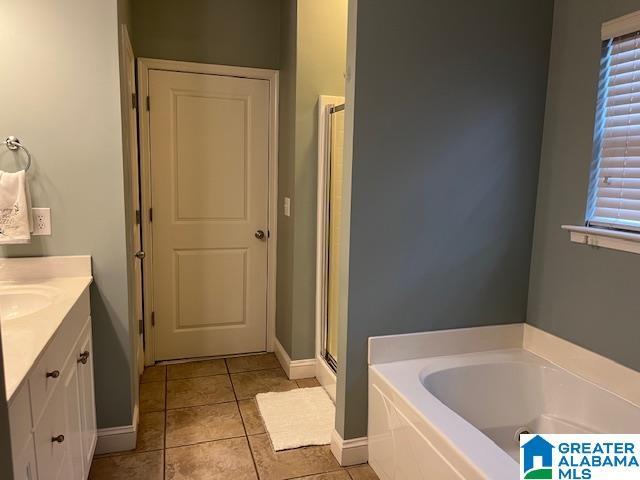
(324, 374)
(272, 76)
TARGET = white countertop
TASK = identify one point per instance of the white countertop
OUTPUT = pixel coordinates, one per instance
(24, 338)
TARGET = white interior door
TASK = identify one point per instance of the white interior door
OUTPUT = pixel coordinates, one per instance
(209, 150)
(134, 172)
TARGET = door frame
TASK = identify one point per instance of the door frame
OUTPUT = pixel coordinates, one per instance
(145, 65)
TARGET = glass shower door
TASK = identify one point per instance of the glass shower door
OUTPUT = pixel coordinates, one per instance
(334, 196)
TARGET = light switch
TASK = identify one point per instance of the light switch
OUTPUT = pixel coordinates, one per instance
(41, 221)
(287, 207)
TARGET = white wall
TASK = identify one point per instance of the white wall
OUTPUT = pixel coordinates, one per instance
(59, 93)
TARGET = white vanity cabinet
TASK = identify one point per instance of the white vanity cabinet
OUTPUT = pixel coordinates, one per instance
(52, 412)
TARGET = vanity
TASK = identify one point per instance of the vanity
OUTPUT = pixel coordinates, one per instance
(48, 361)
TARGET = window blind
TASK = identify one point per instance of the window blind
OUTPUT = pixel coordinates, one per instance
(614, 199)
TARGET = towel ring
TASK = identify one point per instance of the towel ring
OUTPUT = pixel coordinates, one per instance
(12, 143)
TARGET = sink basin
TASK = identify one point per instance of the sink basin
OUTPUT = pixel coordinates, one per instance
(18, 301)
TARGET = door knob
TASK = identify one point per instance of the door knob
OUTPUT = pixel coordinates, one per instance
(57, 439)
(84, 357)
(140, 255)
(260, 235)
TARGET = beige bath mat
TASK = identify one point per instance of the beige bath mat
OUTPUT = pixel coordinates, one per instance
(297, 418)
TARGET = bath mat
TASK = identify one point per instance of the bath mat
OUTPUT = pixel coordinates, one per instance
(297, 418)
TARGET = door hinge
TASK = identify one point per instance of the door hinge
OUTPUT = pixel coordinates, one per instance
(151, 214)
(134, 101)
(153, 319)
(138, 217)
(140, 327)
(148, 103)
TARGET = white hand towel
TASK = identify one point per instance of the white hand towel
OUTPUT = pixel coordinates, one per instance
(16, 223)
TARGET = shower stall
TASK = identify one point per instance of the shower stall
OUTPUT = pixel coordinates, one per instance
(330, 205)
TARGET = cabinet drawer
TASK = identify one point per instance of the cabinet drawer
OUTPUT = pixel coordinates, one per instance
(51, 454)
(20, 420)
(46, 374)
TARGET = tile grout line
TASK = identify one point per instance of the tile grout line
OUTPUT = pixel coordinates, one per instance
(244, 427)
(246, 437)
(341, 469)
(177, 379)
(199, 405)
(181, 361)
(164, 436)
(202, 442)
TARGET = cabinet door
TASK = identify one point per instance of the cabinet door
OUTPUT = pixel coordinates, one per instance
(87, 396)
(22, 447)
(51, 453)
(74, 462)
(24, 465)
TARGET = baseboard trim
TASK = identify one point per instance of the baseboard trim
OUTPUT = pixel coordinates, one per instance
(295, 369)
(118, 439)
(353, 451)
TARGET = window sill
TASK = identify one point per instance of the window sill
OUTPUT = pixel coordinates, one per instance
(603, 238)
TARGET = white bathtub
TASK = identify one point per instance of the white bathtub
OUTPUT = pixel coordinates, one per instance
(457, 416)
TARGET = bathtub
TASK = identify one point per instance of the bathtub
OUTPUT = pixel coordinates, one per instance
(459, 416)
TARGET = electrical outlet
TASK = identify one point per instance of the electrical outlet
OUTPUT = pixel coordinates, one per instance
(41, 221)
(287, 207)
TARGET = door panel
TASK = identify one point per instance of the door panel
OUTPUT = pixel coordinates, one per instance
(220, 287)
(209, 180)
(211, 190)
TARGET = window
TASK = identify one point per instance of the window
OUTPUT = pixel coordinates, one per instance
(613, 205)
(614, 193)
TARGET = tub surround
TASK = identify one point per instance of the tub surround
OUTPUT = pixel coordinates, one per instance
(395, 348)
(420, 386)
(62, 281)
(595, 368)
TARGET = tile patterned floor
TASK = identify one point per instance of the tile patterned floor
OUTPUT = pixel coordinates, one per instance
(199, 421)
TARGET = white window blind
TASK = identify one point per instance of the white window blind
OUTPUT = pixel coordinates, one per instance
(614, 199)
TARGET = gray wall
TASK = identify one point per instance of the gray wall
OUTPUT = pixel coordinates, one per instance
(286, 172)
(587, 296)
(227, 32)
(313, 53)
(445, 158)
(62, 100)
